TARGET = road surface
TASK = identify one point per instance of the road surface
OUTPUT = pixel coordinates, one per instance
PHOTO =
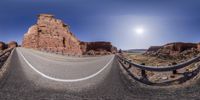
(36, 75)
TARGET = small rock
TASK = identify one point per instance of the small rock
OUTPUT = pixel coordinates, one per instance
(197, 64)
(172, 76)
(164, 78)
(189, 69)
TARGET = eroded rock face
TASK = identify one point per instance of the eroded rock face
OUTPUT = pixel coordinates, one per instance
(154, 48)
(51, 34)
(97, 48)
(176, 50)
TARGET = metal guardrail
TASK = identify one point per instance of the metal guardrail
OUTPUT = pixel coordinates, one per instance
(172, 68)
(5, 52)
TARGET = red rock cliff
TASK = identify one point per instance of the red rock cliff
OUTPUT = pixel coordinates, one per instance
(51, 34)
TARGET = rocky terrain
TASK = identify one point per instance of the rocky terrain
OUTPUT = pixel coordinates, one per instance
(167, 54)
(51, 34)
(164, 56)
(175, 51)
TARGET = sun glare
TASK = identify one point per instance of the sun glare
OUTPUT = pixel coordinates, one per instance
(139, 30)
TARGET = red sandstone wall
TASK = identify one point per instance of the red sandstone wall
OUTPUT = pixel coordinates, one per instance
(51, 34)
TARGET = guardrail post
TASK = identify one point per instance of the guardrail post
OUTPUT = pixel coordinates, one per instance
(174, 71)
(129, 66)
(143, 72)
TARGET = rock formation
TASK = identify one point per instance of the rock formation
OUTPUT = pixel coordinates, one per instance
(97, 48)
(175, 50)
(154, 48)
(12, 44)
(4, 46)
(51, 34)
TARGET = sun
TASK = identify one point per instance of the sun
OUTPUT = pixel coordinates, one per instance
(139, 30)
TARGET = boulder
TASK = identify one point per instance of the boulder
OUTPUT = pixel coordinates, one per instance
(90, 52)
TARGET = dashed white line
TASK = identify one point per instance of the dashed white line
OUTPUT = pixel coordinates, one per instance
(64, 80)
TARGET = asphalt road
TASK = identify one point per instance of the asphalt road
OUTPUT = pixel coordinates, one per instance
(36, 75)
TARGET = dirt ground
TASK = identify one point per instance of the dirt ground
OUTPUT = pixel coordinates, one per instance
(158, 77)
(139, 58)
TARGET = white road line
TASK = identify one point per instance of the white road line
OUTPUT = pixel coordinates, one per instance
(65, 80)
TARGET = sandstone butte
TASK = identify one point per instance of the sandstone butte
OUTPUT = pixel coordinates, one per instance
(51, 34)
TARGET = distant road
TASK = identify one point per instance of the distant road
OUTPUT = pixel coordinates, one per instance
(37, 75)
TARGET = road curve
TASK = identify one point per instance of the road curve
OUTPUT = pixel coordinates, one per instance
(35, 75)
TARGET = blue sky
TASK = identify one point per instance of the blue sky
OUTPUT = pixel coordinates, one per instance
(163, 21)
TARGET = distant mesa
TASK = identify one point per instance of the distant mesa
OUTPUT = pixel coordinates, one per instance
(12, 44)
(51, 34)
(175, 50)
(4, 46)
